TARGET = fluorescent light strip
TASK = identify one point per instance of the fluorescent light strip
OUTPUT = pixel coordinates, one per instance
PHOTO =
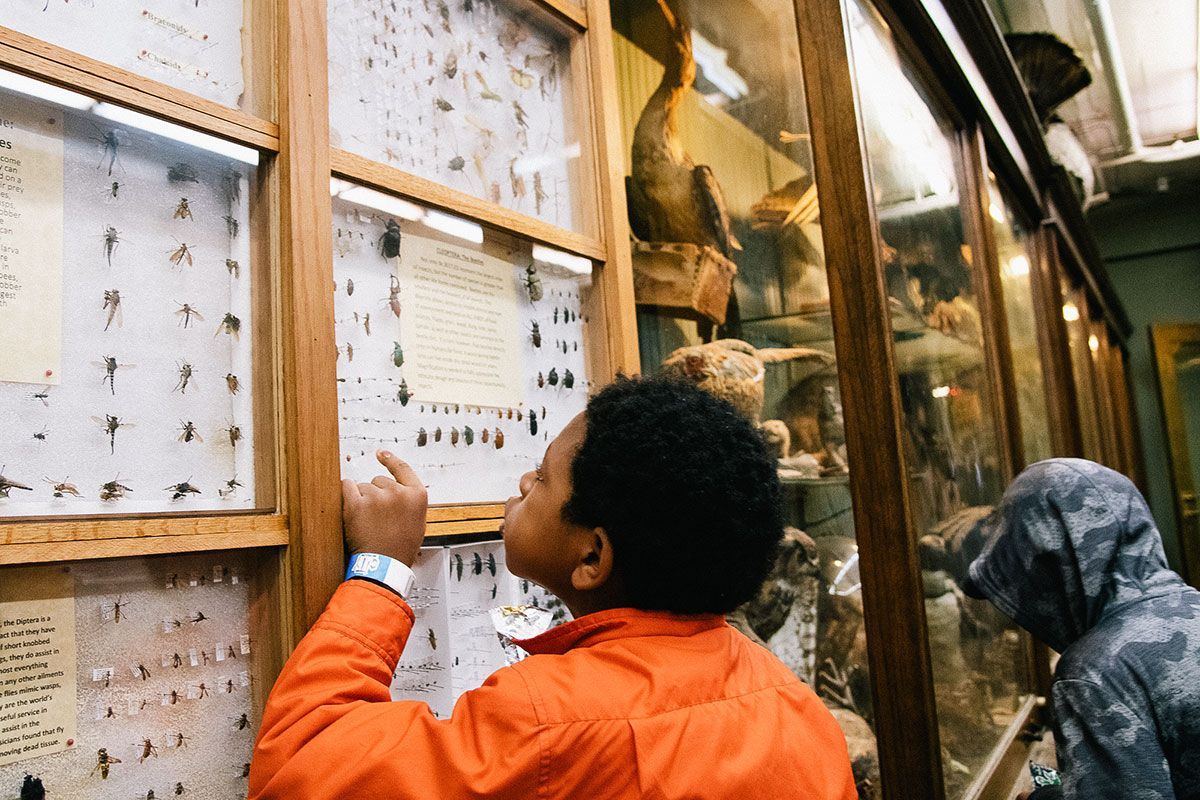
(576, 264)
(361, 195)
(170, 130)
(45, 91)
(454, 226)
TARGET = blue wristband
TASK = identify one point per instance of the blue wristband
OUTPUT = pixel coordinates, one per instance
(392, 573)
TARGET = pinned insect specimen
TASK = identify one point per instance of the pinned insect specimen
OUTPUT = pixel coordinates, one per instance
(179, 789)
(389, 240)
(112, 238)
(112, 304)
(172, 697)
(8, 484)
(181, 254)
(62, 488)
(556, 315)
(234, 268)
(456, 164)
(111, 144)
(142, 672)
(242, 723)
(188, 432)
(150, 792)
(244, 770)
(533, 425)
(366, 321)
(185, 377)
(202, 691)
(450, 65)
(44, 396)
(110, 424)
(232, 382)
(403, 395)
(103, 762)
(552, 378)
(110, 365)
(454, 437)
(229, 324)
(541, 380)
(499, 438)
(113, 190)
(533, 284)
(186, 312)
(349, 351)
(182, 172)
(568, 379)
(113, 490)
(485, 435)
(397, 355)
(539, 192)
(183, 210)
(432, 637)
(41, 435)
(422, 438)
(182, 489)
(437, 434)
(231, 486)
(517, 182)
(468, 436)
(491, 564)
(349, 286)
(232, 226)
(442, 104)
(32, 789)
(148, 750)
(394, 293)
(535, 334)
(231, 184)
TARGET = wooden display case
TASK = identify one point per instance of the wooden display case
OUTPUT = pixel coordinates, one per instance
(812, 149)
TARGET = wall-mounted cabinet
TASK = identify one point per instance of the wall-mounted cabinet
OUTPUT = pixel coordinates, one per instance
(243, 245)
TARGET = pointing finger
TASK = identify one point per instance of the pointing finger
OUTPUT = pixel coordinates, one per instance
(401, 471)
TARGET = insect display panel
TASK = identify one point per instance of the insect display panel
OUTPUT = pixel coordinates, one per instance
(454, 645)
(163, 662)
(474, 95)
(465, 451)
(152, 407)
(194, 46)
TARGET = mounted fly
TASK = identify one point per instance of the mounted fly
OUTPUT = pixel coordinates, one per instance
(62, 488)
(112, 238)
(183, 210)
(182, 489)
(186, 312)
(188, 432)
(181, 254)
(229, 324)
(8, 484)
(185, 377)
(182, 172)
(113, 490)
(232, 383)
(112, 304)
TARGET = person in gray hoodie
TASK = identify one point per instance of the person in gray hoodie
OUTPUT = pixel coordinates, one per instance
(1073, 556)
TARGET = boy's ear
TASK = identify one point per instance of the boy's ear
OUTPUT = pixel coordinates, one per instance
(594, 561)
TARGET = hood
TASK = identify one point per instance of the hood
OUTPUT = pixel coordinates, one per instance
(1070, 543)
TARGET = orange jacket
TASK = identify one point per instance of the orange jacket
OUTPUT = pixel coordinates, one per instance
(619, 704)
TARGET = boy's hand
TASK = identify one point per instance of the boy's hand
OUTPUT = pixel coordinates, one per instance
(386, 516)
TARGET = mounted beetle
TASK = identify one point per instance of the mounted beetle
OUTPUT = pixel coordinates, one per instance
(533, 284)
(389, 242)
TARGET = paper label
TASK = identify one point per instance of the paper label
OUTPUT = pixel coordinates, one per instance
(37, 663)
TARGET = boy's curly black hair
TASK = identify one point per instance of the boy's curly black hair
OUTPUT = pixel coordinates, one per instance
(687, 491)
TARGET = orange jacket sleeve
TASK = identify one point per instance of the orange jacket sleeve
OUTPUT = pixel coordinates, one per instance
(331, 730)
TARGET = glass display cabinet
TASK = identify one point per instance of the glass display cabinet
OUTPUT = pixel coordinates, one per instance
(244, 244)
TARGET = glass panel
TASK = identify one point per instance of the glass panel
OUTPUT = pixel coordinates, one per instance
(953, 459)
(131, 266)
(1079, 337)
(466, 347)
(735, 105)
(1013, 251)
(144, 675)
(1187, 373)
(1104, 394)
(479, 96)
(211, 49)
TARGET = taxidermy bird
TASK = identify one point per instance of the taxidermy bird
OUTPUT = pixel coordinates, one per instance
(733, 370)
(672, 199)
(1053, 73)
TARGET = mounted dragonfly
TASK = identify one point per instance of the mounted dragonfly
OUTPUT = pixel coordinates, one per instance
(110, 365)
(110, 423)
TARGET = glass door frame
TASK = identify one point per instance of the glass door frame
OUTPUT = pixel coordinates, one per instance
(1166, 341)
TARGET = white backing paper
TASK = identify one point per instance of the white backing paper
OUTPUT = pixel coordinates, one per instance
(190, 45)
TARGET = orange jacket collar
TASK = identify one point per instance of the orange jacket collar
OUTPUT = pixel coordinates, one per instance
(617, 623)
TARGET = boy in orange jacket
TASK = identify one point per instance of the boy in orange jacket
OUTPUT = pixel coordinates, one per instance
(653, 514)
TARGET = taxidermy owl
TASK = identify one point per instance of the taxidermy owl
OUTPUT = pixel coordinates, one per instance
(733, 370)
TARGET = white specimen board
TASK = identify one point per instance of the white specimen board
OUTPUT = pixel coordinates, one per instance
(473, 95)
(454, 646)
(124, 231)
(457, 456)
(194, 46)
(119, 707)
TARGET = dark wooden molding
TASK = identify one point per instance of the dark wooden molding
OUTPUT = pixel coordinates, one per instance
(893, 602)
(1054, 344)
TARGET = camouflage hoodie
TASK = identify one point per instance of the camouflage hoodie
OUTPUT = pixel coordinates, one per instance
(1074, 557)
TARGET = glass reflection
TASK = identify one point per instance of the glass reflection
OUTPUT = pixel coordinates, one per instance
(953, 460)
(1075, 314)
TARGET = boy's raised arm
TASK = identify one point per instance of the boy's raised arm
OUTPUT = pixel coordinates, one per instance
(330, 729)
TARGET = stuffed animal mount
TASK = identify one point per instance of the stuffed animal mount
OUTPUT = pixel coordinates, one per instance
(695, 280)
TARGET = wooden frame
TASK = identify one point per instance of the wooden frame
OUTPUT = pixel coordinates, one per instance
(1167, 340)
